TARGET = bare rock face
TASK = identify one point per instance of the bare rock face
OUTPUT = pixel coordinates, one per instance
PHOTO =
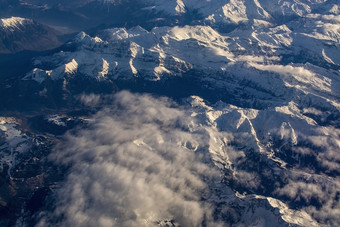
(18, 34)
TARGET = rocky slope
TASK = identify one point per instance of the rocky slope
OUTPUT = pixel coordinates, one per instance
(18, 34)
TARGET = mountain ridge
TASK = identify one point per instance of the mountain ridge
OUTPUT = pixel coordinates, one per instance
(18, 34)
(180, 112)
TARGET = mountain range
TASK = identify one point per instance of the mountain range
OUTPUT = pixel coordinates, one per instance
(179, 113)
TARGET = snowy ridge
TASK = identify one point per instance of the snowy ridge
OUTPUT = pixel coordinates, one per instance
(18, 34)
(135, 50)
(14, 23)
(285, 138)
(241, 11)
(165, 53)
(287, 124)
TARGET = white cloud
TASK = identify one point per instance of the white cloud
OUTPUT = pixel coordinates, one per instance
(297, 75)
(144, 161)
(135, 165)
(89, 100)
(318, 196)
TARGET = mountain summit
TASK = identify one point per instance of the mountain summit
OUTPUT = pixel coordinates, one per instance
(18, 34)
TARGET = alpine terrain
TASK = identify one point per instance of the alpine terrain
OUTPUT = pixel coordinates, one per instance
(170, 113)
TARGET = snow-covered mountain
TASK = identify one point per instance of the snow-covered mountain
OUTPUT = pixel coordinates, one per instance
(240, 10)
(248, 134)
(17, 34)
(265, 62)
(221, 14)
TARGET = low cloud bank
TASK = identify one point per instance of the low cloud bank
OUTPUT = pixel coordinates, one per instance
(145, 161)
(137, 164)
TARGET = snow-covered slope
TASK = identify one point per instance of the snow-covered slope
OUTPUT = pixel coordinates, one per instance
(241, 11)
(263, 61)
(283, 152)
(14, 143)
(163, 52)
(17, 34)
(252, 139)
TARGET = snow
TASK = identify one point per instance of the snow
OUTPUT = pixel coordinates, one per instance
(13, 136)
(335, 9)
(13, 23)
(38, 75)
(57, 120)
(173, 8)
(252, 54)
(16, 142)
(180, 7)
(277, 105)
(298, 75)
(105, 69)
(300, 218)
(326, 57)
(71, 67)
(235, 11)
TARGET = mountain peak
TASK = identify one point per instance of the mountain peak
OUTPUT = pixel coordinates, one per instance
(14, 22)
(18, 34)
